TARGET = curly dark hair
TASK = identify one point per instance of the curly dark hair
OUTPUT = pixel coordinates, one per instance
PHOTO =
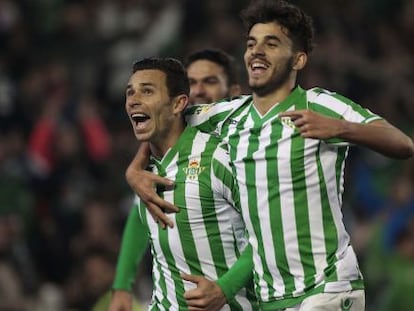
(298, 24)
(176, 75)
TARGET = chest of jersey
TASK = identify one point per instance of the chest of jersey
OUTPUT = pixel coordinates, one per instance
(271, 151)
(206, 225)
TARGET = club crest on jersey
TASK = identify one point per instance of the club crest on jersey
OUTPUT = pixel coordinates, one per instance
(288, 122)
(193, 170)
(203, 108)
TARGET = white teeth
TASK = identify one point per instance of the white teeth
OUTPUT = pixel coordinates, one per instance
(258, 65)
(138, 115)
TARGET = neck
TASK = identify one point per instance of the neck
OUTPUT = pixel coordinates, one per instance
(264, 102)
(159, 146)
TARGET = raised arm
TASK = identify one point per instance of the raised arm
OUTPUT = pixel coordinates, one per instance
(378, 135)
(143, 183)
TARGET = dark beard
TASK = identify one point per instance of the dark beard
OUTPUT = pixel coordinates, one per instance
(276, 81)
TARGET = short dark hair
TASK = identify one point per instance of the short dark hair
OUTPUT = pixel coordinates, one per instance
(298, 24)
(221, 58)
(176, 75)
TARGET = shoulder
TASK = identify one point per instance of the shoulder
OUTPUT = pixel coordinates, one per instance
(211, 145)
(326, 97)
(206, 141)
(224, 105)
(321, 100)
(336, 105)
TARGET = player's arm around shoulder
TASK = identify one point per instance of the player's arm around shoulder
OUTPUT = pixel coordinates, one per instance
(143, 183)
(207, 116)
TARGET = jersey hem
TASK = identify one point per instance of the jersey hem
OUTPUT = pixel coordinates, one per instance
(291, 302)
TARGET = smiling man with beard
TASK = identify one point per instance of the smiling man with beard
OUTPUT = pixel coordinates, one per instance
(288, 148)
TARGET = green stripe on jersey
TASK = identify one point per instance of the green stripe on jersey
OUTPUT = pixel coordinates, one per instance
(275, 210)
(204, 240)
(209, 214)
(329, 232)
(300, 197)
(291, 194)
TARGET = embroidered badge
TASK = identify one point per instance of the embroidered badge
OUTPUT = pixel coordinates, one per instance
(203, 108)
(288, 122)
(193, 170)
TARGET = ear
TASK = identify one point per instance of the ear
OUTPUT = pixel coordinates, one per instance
(180, 102)
(235, 90)
(301, 59)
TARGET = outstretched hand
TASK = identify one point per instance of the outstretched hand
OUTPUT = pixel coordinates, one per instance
(311, 124)
(143, 183)
(208, 296)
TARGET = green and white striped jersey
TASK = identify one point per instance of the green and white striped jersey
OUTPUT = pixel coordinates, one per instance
(209, 233)
(290, 194)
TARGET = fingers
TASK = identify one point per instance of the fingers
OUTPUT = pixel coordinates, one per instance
(193, 296)
(300, 118)
(162, 205)
(300, 123)
(142, 155)
(159, 216)
(195, 293)
(191, 278)
(162, 181)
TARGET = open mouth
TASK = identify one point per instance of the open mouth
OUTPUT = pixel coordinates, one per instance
(140, 120)
(258, 67)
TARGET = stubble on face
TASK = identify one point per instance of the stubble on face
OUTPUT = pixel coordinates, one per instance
(268, 58)
(276, 81)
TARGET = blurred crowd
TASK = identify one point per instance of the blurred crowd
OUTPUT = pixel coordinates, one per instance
(65, 140)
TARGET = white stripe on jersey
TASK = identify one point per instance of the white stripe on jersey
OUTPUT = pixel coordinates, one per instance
(264, 208)
(313, 192)
(196, 220)
(227, 216)
(339, 107)
(287, 206)
(328, 160)
(160, 265)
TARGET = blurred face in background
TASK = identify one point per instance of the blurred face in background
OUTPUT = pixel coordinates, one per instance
(208, 82)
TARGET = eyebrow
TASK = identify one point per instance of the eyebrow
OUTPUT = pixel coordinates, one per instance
(129, 86)
(204, 78)
(267, 37)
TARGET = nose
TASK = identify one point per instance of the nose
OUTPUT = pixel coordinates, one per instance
(197, 89)
(131, 98)
(258, 49)
(131, 102)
